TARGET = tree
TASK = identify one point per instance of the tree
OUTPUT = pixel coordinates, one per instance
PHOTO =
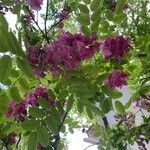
(76, 63)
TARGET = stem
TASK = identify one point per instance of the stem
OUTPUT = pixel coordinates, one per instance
(89, 146)
(56, 23)
(37, 25)
(46, 17)
(105, 121)
(57, 136)
(17, 144)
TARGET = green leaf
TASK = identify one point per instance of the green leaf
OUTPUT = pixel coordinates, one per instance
(106, 106)
(84, 19)
(36, 112)
(111, 92)
(24, 83)
(119, 107)
(32, 141)
(83, 92)
(24, 67)
(94, 4)
(86, 30)
(44, 103)
(70, 103)
(87, 1)
(5, 67)
(30, 125)
(80, 107)
(50, 123)
(15, 46)
(92, 107)
(119, 6)
(83, 8)
(43, 136)
(14, 73)
(3, 103)
(14, 94)
(89, 113)
(56, 115)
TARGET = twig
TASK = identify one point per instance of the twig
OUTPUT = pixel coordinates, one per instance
(47, 7)
(56, 23)
(57, 136)
(89, 146)
(37, 25)
(105, 121)
(17, 144)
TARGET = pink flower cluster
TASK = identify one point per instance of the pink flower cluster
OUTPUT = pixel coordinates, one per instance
(142, 103)
(19, 110)
(63, 54)
(115, 48)
(35, 4)
(117, 79)
(12, 138)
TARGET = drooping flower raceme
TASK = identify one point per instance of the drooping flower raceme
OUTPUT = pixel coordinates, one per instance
(63, 54)
(35, 4)
(12, 138)
(126, 120)
(116, 47)
(19, 110)
(117, 79)
(142, 103)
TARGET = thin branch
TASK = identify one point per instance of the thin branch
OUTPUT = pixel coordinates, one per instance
(37, 24)
(105, 121)
(89, 146)
(57, 136)
(56, 23)
(17, 144)
(47, 7)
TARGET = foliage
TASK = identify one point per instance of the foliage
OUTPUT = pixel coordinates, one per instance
(73, 65)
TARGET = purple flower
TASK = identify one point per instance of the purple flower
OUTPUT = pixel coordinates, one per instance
(141, 102)
(66, 52)
(33, 55)
(32, 99)
(115, 48)
(54, 70)
(17, 110)
(35, 4)
(12, 138)
(62, 15)
(11, 109)
(39, 72)
(117, 79)
(41, 91)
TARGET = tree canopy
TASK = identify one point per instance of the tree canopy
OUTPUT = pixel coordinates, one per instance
(72, 66)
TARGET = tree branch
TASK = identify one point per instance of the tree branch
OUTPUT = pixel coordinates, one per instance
(105, 121)
(46, 17)
(37, 24)
(57, 136)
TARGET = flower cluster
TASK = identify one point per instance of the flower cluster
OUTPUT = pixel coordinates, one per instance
(35, 4)
(64, 14)
(63, 54)
(12, 138)
(140, 139)
(126, 120)
(115, 48)
(117, 79)
(142, 103)
(19, 110)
